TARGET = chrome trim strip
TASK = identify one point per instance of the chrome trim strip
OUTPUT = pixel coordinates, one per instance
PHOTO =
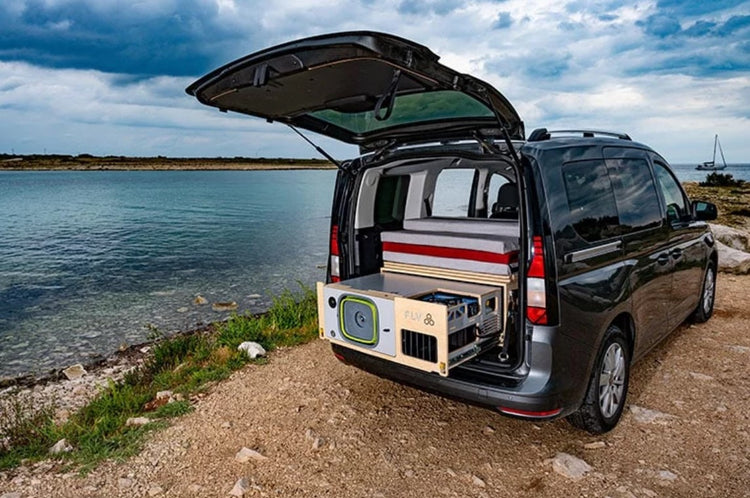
(593, 252)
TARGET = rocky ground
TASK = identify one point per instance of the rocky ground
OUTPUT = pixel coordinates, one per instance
(317, 427)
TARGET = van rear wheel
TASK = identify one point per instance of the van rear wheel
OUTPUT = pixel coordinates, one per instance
(705, 307)
(608, 386)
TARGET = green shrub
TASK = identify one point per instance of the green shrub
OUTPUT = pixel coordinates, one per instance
(721, 180)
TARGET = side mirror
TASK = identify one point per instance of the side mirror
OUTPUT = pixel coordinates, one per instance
(704, 211)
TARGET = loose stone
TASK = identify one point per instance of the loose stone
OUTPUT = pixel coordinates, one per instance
(61, 446)
(570, 466)
(246, 454)
(240, 487)
(74, 372)
(136, 421)
(253, 349)
(647, 416)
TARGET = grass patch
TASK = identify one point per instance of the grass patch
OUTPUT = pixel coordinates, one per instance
(184, 364)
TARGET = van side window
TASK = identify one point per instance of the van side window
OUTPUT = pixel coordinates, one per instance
(635, 194)
(593, 213)
(390, 201)
(454, 193)
(673, 196)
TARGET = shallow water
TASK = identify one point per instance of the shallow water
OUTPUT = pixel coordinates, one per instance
(90, 260)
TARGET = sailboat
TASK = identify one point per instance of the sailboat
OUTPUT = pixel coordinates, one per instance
(711, 165)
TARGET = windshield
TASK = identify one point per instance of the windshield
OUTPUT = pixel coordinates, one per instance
(410, 108)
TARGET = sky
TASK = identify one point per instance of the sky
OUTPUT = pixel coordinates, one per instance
(107, 77)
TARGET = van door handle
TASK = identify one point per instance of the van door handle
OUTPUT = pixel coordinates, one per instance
(676, 253)
(663, 258)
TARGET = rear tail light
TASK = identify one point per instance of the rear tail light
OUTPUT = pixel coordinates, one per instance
(335, 262)
(536, 291)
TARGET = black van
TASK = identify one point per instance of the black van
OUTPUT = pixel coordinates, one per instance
(522, 274)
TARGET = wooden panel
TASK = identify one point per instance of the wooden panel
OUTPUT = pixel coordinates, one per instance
(461, 276)
(425, 318)
(321, 310)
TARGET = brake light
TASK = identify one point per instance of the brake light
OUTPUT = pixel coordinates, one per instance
(536, 291)
(335, 262)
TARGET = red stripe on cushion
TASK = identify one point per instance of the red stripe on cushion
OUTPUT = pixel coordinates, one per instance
(452, 252)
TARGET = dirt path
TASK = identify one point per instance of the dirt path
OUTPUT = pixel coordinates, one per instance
(330, 430)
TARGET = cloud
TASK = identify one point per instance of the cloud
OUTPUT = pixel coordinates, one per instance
(175, 38)
(660, 25)
(108, 76)
(693, 8)
(504, 20)
(422, 7)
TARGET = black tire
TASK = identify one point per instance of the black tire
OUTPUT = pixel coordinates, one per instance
(705, 307)
(600, 413)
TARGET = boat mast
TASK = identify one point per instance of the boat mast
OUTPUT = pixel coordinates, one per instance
(716, 139)
(724, 161)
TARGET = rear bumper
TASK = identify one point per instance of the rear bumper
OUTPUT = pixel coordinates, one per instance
(553, 385)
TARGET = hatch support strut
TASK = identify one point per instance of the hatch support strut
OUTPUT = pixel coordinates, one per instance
(318, 148)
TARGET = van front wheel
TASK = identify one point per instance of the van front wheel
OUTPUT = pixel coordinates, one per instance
(608, 386)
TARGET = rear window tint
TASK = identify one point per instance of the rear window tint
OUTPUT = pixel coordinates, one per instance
(593, 212)
(635, 193)
(410, 108)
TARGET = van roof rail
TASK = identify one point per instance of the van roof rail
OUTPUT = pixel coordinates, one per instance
(543, 134)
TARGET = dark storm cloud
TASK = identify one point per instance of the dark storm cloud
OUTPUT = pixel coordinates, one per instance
(693, 7)
(178, 38)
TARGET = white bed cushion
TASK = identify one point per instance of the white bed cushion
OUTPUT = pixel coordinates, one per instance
(465, 226)
(474, 251)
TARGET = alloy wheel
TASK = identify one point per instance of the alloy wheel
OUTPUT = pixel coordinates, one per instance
(612, 380)
(708, 292)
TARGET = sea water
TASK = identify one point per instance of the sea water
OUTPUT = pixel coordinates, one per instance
(92, 260)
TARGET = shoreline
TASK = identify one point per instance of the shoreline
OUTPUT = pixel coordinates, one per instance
(125, 357)
(86, 162)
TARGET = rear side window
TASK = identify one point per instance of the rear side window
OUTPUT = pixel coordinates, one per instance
(593, 212)
(390, 200)
(635, 193)
(454, 193)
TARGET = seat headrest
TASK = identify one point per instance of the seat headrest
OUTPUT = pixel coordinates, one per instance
(507, 196)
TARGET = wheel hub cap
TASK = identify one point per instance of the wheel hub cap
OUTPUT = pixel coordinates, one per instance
(708, 292)
(612, 380)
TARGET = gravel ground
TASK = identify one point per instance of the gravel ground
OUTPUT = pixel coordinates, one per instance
(327, 429)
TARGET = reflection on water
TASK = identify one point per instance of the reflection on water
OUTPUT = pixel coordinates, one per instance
(90, 259)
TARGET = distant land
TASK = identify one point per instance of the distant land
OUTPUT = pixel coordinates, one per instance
(88, 162)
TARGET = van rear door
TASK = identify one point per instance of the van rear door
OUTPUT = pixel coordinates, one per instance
(360, 87)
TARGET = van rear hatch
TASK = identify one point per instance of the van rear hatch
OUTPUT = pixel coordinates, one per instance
(363, 88)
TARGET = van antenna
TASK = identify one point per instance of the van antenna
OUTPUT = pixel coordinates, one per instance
(319, 149)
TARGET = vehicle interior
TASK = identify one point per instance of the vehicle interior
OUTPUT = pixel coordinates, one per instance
(453, 218)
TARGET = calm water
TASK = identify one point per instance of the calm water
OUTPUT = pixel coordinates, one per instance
(688, 173)
(89, 260)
